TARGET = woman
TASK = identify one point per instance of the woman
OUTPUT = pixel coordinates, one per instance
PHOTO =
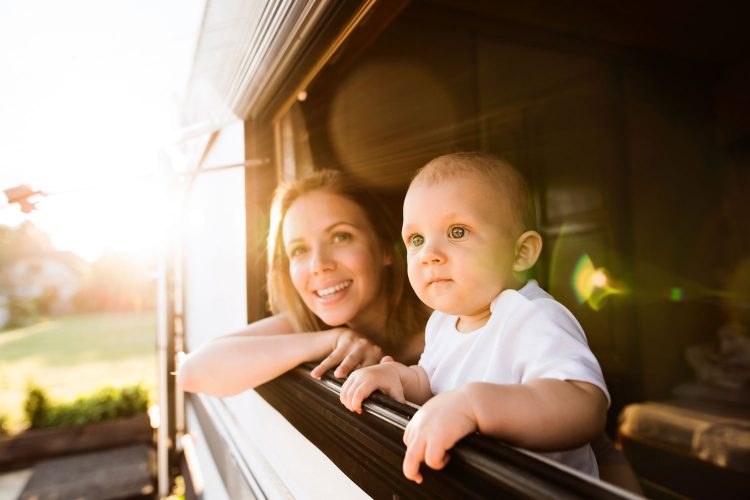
(334, 260)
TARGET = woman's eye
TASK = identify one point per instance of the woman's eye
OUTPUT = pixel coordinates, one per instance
(341, 237)
(296, 251)
(457, 232)
(416, 240)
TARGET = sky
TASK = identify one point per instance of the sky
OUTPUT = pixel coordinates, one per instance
(90, 95)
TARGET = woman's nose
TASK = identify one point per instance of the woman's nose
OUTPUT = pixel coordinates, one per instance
(321, 261)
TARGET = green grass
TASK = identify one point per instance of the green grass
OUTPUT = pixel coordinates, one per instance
(75, 355)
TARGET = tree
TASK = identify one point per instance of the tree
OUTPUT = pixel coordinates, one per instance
(16, 242)
(118, 282)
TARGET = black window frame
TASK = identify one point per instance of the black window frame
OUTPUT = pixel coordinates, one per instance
(368, 449)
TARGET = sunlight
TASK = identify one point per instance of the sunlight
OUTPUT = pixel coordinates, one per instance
(85, 122)
(127, 218)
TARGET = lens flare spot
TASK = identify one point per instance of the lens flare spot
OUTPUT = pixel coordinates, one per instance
(583, 285)
(599, 279)
(593, 285)
(676, 294)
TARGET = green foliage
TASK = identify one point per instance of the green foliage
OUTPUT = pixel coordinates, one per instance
(105, 404)
(76, 355)
(36, 407)
(46, 301)
(23, 312)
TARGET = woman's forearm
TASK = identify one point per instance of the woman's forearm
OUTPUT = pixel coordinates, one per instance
(232, 364)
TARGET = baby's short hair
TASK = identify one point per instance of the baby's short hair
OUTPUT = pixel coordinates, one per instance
(498, 173)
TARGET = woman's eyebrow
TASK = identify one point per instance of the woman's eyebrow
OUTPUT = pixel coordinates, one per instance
(339, 223)
(293, 241)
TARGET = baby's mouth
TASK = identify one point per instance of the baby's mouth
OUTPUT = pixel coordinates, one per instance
(438, 281)
(325, 292)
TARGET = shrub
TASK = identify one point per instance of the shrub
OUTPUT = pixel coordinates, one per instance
(36, 407)
(3, 425)
(105, 404)
(23, 312)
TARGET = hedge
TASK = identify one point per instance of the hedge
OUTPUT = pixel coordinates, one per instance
(105, 404)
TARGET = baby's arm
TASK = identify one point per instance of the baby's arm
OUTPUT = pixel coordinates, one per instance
(543, 415)
(398, 381)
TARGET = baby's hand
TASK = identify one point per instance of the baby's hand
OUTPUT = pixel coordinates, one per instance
(363, 382)
(434, 429)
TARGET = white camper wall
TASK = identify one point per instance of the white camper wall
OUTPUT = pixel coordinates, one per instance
(214, 244)
(213, 269)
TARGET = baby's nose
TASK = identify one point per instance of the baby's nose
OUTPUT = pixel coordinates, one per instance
(431, 254)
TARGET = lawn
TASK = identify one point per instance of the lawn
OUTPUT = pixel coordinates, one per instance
(74, 355)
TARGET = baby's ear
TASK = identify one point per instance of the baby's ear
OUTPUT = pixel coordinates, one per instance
(528, 248)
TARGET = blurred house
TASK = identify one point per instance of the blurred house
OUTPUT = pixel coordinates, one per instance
(52, 278)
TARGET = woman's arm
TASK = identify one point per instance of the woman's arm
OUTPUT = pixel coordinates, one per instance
(268, 348)
(260, 352)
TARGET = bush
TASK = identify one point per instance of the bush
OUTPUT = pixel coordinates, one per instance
(23, 312)
(36, 407)
(3, 425)
(105, 404)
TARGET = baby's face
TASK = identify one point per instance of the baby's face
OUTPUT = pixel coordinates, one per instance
(460, 240)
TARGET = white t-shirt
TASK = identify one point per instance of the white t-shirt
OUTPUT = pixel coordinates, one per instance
(529, 336)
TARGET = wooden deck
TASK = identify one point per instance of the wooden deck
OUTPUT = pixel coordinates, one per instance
(118, 473)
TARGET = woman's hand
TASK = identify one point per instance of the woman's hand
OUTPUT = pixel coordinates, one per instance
(350, 351)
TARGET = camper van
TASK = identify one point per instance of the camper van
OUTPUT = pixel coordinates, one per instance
(631, 122)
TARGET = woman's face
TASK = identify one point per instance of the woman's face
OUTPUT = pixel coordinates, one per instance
(335, 260)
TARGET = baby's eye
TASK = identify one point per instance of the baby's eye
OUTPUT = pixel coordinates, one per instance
(341, 237)
(456, 232)
(416, 240)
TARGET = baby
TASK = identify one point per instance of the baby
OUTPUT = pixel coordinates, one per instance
(501, 356)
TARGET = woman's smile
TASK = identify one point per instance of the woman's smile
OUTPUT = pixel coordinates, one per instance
(334, 290)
